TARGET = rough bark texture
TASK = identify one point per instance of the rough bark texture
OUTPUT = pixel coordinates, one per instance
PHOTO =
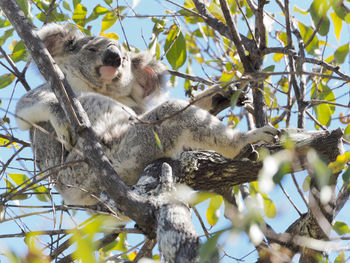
(176, 235)
(206, 170)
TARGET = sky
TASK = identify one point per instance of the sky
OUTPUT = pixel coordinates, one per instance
(138, 31)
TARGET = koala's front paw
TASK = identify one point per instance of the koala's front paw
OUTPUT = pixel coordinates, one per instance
(65, 133)
(267, 134)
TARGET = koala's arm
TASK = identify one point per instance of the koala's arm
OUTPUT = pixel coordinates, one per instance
(41, 105)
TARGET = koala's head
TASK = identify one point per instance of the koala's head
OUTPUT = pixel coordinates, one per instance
(100, 64)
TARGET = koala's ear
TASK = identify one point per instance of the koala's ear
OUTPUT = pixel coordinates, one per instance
(59, 38)
(149, 73)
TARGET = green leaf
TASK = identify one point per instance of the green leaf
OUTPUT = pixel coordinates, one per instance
(341, 228)
(341, 53)
(8, 33)
(323, 114)
(66, 6)
(175, 48)
(108, 20)
(213, 209)
(318, 11)
(6, 80)
(347, 132)
(10, 188)
(98, 11)
(19, 52)
(76, 2)
(215, 9)
(269, 69)
(208, 250)
(336, 5)
(227, 76)
(283, 37)
(306, 32)
(4, 22)
(346, 175)
(44, 193)
(338, 23)
(79, 14)
(109, 2)
(323, 111)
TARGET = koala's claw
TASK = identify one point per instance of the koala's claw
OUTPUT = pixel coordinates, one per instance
(65, 134)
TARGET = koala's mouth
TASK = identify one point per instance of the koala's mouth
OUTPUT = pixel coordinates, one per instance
(108, 73)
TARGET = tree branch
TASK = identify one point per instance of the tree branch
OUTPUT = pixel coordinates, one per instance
(116, 188)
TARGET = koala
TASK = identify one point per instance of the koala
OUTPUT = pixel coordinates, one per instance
(112, 86)
(91, 64)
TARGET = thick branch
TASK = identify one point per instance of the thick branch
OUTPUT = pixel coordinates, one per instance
(235, 37)
(210, 171)
(115, 187)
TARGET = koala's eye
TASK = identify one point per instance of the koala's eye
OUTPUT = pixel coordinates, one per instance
(71, 45)
(92, 49)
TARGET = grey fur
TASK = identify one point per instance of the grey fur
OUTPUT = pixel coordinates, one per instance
(128, 139)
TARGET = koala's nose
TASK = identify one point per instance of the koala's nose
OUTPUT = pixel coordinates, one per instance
(111, 57)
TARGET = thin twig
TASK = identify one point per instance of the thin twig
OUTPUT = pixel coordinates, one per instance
(206, 233)
(290, 200)
(18, 74)
(299, 190)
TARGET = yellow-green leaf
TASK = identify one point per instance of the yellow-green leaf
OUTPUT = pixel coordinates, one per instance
(341, 228)
(306, 184)
(18, 178)
(338, 9)
(175, 48)
(159, 143)
(79, 14)
(340, 258)
(323, 114)
(306, 33)
(202, 196)
(213, 209)
(8, 33)
(4, 22)
(299, 10)
(6, 80)
(108, 20)
(277, 57)
(318, 11)
(43, 193)
(66, 6)
(341, 53)
(110, 35)
(337, 24)
(215, 9)
(269, 207)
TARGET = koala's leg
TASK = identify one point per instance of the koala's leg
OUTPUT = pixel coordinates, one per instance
(41, 105)
(196, 128)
